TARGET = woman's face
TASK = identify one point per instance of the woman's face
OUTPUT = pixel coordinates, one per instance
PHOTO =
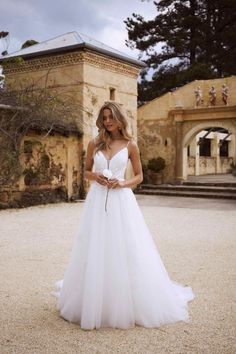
(109, 122)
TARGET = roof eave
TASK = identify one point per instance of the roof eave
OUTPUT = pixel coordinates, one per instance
(80, 46)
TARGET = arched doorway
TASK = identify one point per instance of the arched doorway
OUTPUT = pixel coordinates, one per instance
(208, 148)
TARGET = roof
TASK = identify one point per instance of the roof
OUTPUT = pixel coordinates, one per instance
(71, 41)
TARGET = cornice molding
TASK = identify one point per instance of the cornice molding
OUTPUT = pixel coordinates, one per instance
(212, 109)
(42, 63)
(111, 64)
(87, 57)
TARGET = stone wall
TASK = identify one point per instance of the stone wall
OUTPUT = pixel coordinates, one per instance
(207, 165)
(50, 171)
(167, 125)
(101, 75)
(157, 138)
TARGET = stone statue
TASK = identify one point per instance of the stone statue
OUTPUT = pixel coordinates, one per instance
(2, 78)
(225, 94)
(198, 96)
(212, 94)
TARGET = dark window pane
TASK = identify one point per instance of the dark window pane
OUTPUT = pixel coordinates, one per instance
(205, 147)
(112, 94)
(224, 148)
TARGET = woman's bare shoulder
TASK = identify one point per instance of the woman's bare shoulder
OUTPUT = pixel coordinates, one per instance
(92, 143)
(133, 145)
(93, 140)
(91, 146)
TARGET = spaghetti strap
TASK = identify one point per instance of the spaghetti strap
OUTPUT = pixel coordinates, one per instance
(128, 143)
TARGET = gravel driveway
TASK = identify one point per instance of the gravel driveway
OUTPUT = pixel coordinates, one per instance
(197, 242)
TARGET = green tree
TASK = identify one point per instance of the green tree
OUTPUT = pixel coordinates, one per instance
(28, 43)
(4, 40)
(187, 40)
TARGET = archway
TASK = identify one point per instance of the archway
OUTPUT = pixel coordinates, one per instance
(208, 148)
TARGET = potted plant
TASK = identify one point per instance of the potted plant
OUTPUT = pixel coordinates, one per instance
(155, 170)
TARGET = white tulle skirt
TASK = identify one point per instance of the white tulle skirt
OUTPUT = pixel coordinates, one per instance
(115, 276)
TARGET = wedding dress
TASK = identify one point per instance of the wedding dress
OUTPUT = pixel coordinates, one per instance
(115, 276)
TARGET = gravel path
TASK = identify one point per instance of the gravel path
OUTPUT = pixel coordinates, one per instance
(197, 242)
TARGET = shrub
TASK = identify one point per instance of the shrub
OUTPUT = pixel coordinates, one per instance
(156, 164)
(233, 165)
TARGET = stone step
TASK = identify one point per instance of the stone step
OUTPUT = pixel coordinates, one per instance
(196, 188)
(187, 193)
(210, 184)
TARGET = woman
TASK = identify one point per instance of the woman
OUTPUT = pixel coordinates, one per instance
(115, 276)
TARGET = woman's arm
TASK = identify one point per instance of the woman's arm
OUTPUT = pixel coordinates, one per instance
(137, 169)
(88, 174)
(134, 156)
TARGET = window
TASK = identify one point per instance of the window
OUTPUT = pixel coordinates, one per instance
(224, 148)
(112, 94)
(205, 147)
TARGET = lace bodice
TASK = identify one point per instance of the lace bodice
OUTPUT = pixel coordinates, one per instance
(117, 164)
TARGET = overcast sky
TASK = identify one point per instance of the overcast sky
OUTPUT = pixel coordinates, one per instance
(45, 19)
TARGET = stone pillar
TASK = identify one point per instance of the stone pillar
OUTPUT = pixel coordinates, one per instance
(185, 163)
(193, 147)
(178, 118)
(197, 157)
(218, 160)
(215, 151)
(232, 146)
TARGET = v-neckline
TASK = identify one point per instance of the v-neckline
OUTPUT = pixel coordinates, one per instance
(125, 147)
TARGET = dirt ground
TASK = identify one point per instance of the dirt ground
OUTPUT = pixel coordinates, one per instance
(197, 242)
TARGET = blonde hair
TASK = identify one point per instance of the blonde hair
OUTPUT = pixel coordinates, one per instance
(103, 139)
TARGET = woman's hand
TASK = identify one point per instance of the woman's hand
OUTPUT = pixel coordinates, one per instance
(99, 178)
(115, 183)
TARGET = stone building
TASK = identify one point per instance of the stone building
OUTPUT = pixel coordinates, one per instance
(90, 73)
(194, 137)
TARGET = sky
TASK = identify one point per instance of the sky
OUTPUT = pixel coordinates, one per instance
(44, 19)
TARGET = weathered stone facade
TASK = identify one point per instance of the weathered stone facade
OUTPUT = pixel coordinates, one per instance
(49, 169)
(90, 78)
(168, 124)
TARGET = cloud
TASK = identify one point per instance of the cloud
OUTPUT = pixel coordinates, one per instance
(45, 19)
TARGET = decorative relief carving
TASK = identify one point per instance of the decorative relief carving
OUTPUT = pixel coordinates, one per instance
(225, 94)
(46, 62)
(212, 96)
(198, 96)
(53, 61)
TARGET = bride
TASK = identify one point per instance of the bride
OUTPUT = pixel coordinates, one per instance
(115, 276)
